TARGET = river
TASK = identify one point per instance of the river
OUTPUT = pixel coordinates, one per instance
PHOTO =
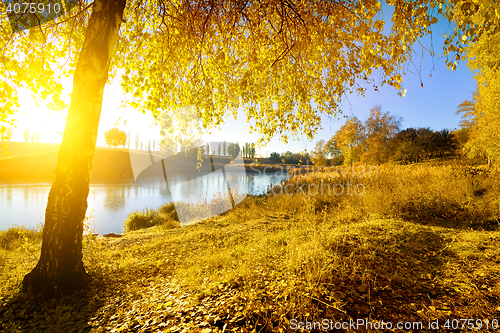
(110, 205)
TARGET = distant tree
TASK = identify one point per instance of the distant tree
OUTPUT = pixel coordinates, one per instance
(467, 110)
(446, 143)
(476, 138)
(208, 148)
(142, 145)
(415, 145)
(243, 150)
(407, 148)
(427, 143)
(8, 134)
(233, 150)
(461, 136)
(297, 158)
(275, 157)
(334, 152)
(154, 144)
(129, 139)
(37, 136)
(189, 146)
(115, 137)
(219, 149)
(350, 139)
(137, 141)
(380, 129)
(307, 158)
(289, 158)
(224, 148)
(319, 154)
(252, 150)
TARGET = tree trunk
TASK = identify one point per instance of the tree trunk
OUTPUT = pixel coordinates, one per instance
(60, 268)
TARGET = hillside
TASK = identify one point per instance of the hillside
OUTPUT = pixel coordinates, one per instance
(26, 162)
(36, 162)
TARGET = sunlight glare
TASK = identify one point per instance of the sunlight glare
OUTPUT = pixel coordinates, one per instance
(49, 125)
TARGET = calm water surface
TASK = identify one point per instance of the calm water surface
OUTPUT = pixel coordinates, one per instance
(24, 204)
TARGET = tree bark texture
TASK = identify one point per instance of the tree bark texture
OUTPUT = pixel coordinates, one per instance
(60, 269)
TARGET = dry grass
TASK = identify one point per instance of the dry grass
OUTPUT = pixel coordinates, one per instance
(420, 244)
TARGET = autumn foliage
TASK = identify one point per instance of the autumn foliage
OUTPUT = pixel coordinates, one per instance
(115, 137)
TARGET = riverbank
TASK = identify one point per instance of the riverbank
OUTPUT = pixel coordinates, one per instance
(404, 250)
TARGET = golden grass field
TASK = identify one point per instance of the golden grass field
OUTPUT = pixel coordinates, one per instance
(420, 244)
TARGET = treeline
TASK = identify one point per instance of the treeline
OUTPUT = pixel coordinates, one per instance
(379, 140)
(197, 147)
(415, 145)
(225, 149)
(33, 136)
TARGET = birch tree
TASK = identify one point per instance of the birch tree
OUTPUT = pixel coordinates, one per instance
(286, 63)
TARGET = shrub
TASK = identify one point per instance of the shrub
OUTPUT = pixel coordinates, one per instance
(275, 157)
(165, 216)
(166, 222)
(169, 210)
(12, 237)
(139, 220)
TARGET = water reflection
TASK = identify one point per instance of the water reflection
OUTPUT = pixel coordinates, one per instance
(115, 197)
(110, 204)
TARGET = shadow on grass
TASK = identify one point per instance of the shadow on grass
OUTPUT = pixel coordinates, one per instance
(67, 314)
(403, 274)
(445, 221)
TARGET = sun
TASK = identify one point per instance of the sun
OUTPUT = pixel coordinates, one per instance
(39, 119)
(36, 120)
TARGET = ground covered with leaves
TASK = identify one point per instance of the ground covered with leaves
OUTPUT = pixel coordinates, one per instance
(283, 262)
